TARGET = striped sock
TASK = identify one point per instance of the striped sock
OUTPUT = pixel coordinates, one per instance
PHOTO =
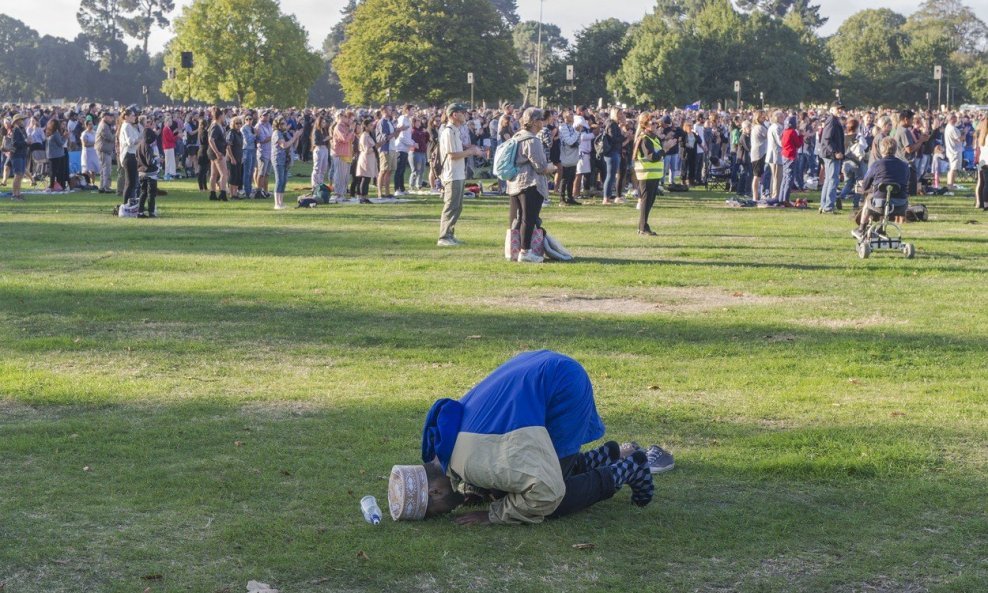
(634, 472)
(605, 454)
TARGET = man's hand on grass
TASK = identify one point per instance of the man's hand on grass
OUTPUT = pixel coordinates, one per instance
(473, 518)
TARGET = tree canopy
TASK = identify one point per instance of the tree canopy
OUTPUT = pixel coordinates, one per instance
(245, 51)
(411, 50)
(699, 55)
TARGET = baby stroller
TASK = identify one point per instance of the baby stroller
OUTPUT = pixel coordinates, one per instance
(881, 232)
(719, 174)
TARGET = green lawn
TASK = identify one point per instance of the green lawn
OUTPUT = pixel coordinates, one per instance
(197, 401)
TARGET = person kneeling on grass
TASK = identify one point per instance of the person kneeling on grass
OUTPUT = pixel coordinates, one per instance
(514, 441)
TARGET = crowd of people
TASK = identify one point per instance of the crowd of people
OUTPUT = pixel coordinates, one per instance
(761, 156)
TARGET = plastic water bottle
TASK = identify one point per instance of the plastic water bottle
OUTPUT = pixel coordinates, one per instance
(372, 513)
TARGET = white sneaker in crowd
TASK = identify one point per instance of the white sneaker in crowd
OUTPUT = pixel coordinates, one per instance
(529, 257)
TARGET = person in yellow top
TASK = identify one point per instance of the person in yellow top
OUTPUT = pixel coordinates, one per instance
(649, 168)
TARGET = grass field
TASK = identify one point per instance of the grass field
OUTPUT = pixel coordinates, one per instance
(197, 401)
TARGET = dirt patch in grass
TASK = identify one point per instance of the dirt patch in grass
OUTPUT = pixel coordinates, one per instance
(882, 584)
(656, 300)
(852, 322)
(793, 569)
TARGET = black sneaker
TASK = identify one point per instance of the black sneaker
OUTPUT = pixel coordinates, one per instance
(212, 197)
(222, 197)
(629, 448)
(659, 460)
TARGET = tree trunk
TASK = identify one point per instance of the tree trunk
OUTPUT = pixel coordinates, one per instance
(147, 28)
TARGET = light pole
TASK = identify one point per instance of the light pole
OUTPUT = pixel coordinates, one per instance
(938, 76)
(538, 59)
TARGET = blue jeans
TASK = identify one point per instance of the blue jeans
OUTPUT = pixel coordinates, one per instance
(800, 171)
(280, 176)
(248, 179)
(400, 170)
(922, 164)
(613, 163)
(828, 190)
(419, 162)
(788, 168)
(850, 178)
(744, 179)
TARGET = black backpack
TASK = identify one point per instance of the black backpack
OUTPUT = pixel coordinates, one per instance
(602, 143)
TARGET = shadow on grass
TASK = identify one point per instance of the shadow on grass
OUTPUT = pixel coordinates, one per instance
(113, 319)
(211, 494)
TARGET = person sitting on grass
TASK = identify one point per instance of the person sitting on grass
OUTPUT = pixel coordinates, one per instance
(888, 169)
(514, 441)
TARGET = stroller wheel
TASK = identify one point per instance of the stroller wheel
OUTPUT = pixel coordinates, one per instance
(908, 250)
(864, 250)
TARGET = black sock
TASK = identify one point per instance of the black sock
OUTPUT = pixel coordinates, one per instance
(606, 454)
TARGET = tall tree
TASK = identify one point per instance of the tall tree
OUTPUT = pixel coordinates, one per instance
(597, 53)
(19, 56)
(146, 15)
(526, 40)
(868, 52)
(245, 51)
(423, 49)
(810, 13)
(968, 32)
(100, 22)
(508, 9)
(660, 54)
(327, 89)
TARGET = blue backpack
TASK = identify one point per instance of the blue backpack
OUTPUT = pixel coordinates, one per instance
(505, 160)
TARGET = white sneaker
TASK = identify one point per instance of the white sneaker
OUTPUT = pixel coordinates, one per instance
(400, 193)
(529, 257)
(446, 242)
(279, 206)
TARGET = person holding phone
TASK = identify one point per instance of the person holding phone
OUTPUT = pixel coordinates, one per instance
(283, 141)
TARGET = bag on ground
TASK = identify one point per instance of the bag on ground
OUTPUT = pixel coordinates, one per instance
(555, 250)
(512, 244)
(917, 213)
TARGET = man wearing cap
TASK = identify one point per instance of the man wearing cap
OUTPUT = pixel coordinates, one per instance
(514, 441)
(452, 159)
(105, 146)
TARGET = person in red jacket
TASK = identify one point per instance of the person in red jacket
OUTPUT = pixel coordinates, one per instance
(792, 141)
(168, 146)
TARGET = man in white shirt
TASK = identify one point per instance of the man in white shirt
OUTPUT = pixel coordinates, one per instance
(773, 154)
(452, 157)
(953, 141)
(403, 144)
(759, 147)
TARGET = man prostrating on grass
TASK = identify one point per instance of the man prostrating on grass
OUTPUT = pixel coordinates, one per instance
(514, 441)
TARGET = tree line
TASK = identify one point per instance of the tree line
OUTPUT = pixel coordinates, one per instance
(248, 52)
